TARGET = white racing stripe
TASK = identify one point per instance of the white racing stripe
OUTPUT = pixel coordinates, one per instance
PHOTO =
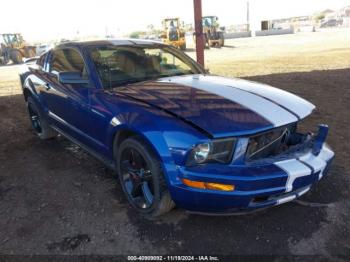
(296, 104)
(267, 109)
(294, 169)
(316, 163)
(319, 162)
(326, 153)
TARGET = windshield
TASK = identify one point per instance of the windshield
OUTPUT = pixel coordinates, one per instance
(171, 23)
(120, 65)
(210, 21)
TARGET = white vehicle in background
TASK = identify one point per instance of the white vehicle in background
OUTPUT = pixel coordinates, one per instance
(40, 49)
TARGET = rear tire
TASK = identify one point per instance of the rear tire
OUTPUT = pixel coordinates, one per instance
(39, 122)
(141, 177)
(16, 56)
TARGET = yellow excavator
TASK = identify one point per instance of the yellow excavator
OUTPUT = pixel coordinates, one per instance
(173, 33)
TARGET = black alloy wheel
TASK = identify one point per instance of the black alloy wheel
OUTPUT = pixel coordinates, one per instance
(137, 178)
(142, 179)
(34, 118)
(39, 123)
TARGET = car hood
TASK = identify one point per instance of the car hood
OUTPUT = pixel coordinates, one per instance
(221, 106)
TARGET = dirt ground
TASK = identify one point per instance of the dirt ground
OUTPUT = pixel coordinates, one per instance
(57, 199)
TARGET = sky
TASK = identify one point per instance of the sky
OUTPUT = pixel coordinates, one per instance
(55, 19)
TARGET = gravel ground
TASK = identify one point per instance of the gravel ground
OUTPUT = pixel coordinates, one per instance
(56, 199)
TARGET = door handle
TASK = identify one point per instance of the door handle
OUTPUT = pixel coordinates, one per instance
(47, 87)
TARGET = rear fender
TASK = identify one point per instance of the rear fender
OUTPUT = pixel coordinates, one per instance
(29, 90)
(28, 87)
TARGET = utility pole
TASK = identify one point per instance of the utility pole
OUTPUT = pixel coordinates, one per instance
(248, 22)
(199, 31)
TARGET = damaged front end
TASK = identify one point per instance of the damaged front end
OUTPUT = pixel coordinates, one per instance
(267, 169)
(278, 144)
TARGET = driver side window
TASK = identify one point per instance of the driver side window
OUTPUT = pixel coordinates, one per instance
(67, 60)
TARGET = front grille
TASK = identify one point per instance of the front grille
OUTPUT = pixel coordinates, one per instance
(269, 143)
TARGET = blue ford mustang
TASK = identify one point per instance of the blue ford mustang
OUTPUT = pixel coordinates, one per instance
(175, 134)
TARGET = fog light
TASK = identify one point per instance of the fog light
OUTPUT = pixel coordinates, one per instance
(210, 186)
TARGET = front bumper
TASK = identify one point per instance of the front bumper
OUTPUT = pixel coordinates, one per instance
(256, 186)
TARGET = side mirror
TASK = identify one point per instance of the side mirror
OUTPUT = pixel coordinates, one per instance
(71, 78)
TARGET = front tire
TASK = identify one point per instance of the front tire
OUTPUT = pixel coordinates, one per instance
(142, 179)
(39, 123)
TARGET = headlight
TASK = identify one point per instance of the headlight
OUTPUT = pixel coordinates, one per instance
(216, 151)
(201, 153)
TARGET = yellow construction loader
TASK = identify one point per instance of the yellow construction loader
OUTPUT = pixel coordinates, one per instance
(213, 34)
(173, 33)
(13, 47)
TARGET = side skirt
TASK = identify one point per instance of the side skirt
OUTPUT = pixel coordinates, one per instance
(110, 164)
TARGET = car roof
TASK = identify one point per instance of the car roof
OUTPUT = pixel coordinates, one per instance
(116, 42)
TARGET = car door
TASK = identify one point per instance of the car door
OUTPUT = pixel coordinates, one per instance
(68, 104)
